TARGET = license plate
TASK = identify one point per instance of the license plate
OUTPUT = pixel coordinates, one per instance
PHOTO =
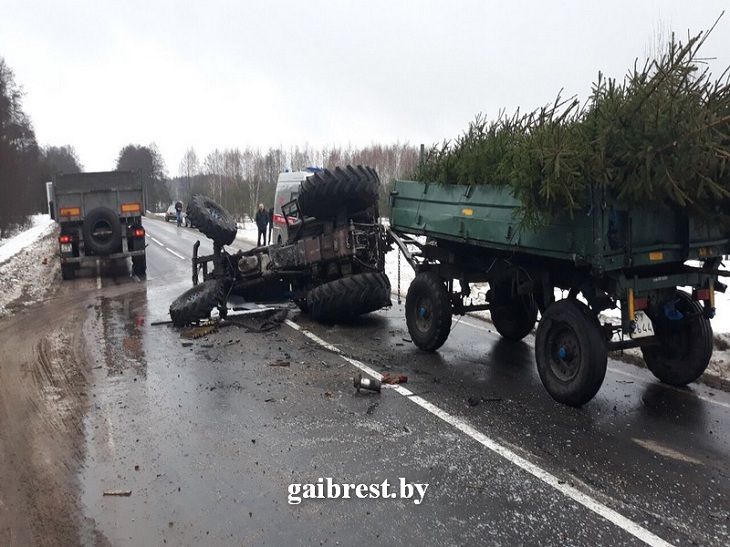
(644, 326)
(66, 248)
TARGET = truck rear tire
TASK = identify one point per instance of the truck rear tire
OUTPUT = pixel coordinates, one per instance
(102, 231)
(348, 297)
(196, 303)
(685, 345)
(139, 265)
(571, 352)
(212, 219)
(513, 315)
(325, 194)
(428, 311)
(68, 271)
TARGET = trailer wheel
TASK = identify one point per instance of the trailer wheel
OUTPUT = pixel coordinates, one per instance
(428, 311)
(571, 352)
(513, 315)
(68, 271)
(685, 345)
(211, 219)
(325, 194)
(348, 297)
(197, 302)
(139, 265)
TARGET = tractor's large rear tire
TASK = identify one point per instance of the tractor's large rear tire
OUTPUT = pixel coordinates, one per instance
(196, 303)
(325, 194)
(571, 352)
(428, 311)
(685, 346)
(348, 297)
(513, 315)
(212, 219)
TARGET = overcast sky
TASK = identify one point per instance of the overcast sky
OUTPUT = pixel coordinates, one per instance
(99, 75)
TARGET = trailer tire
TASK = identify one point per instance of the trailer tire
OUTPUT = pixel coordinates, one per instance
(102, 231)
(68, 271)
(685, 346)
(428, 311)
(212, 219)
(348, 297)
(197, 302)
(139, 265)
(325, 194)
(571, 352)
(514, 316)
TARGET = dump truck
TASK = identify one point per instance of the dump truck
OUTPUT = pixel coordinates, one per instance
(100, 216)
(331, 263)
(658, 265)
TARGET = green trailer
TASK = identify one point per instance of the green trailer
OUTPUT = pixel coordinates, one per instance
(601, 257)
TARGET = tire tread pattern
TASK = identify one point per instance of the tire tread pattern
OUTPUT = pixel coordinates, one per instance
(348, 297)
(324, 194)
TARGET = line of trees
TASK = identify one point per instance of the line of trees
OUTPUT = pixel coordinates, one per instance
(24, 165)
(239, 179)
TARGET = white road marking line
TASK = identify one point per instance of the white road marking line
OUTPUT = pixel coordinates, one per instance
(462, 425)
(630, 375)
(156, 241)
(176, 254)
(98, 274)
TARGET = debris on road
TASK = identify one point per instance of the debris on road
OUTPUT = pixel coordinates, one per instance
(369, 384)
(280, 363)
(193, 333)
(263, 320)
(399, 379)
(123, 493)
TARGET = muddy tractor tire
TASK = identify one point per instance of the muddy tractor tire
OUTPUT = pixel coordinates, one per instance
(348, 297)
(685, 345)
(513, 315)
(571, 352)
(196, 303)
(428, 311)
(212, 219)
(325, 194)
(102, 231)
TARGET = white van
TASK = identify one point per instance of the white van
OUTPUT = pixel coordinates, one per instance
(287, 188)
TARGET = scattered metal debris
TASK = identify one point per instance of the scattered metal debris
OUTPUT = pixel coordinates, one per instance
(369, 384)
(280, 363)
(124, 493)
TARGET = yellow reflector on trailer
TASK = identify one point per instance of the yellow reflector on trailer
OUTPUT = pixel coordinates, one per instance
(70, 211)
(131, 208)
(467, 212)
(656, 255)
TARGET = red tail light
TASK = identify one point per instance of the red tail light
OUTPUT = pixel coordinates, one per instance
(641, 303)
(138, 232)
(64, 238)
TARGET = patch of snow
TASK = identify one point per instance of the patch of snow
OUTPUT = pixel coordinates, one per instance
(247, 231)
(41, 225)
(30, 274)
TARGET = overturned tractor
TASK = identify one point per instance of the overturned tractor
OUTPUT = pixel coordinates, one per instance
(331, 265)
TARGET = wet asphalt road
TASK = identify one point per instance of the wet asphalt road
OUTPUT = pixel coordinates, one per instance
(207, 436)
